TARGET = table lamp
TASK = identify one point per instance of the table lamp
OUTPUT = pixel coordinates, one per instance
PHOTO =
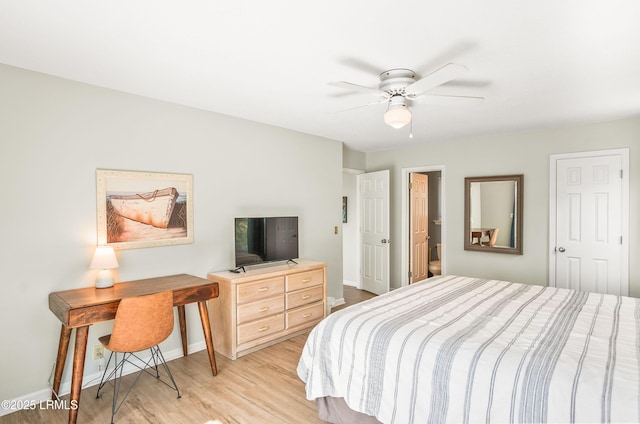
(104, 259)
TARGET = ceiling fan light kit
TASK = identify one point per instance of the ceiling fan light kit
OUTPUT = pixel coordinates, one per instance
(398, 115)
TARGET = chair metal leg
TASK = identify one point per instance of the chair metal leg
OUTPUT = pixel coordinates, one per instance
(104, 378)
(116, 385)
(168, 371)
(156, 357)
(155, 362)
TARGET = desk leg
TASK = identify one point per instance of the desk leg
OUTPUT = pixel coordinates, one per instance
(78, 369)
(206, 327)
(183, 329)
(63, 347)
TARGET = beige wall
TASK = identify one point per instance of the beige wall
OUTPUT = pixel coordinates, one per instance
(55, 133)
(352, 159)
(517, 153)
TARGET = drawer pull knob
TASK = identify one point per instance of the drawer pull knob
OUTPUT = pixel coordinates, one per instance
(306, 280)
(265, 328)
(307, 315)
(306, 296)
(264, 309)
(263, 289)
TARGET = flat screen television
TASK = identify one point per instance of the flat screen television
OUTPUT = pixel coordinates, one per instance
(265, 239)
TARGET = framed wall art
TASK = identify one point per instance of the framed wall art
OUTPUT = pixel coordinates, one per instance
(144, 209)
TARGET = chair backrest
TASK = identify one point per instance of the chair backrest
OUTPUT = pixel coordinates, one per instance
(493, 237)
(142, 322)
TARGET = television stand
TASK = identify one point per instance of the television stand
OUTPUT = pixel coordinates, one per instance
(264, 306)
(291, 260)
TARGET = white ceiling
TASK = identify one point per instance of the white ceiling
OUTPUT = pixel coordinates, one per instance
(542, 63)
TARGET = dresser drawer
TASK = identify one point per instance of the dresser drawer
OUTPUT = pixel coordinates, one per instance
(260, 309)
(303, 297)
(305, 279)
(260, 328)
(306, 314)
(262, 289)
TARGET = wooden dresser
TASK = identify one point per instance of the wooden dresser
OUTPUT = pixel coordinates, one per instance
(266, 305)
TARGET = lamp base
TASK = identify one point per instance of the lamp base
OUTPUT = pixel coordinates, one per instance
(104, 279)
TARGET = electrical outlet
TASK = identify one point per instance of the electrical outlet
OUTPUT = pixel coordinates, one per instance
(98, 352)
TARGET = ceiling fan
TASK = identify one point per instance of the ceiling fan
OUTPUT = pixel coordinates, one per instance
(399, 88)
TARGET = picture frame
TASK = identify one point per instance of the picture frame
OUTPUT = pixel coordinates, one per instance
(143, 209)
(344, 209)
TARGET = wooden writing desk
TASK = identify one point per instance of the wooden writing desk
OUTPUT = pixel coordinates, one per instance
(80, 308)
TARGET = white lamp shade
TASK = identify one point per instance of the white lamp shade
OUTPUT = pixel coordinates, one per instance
(104, 258)
(397, 116)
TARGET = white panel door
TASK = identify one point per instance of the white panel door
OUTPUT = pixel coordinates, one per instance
(374, 228)
(589, 216)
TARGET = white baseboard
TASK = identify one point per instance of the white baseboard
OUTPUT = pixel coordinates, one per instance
(338, 302)
(29, 399)
(90, 380)
(350, 283)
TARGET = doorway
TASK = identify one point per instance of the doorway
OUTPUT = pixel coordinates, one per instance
(419, 251)
(350, 228)
(435, 230)
(589, 221)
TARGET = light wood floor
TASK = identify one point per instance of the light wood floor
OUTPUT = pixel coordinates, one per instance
(352, 295)
(262, 387)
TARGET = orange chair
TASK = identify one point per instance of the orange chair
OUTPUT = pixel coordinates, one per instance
(141, 323)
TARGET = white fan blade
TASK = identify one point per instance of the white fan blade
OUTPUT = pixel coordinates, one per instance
(436, 78)
(356, 87)
(361, 106)
(436, 99)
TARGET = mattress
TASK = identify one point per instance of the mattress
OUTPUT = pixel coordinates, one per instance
(464, 350)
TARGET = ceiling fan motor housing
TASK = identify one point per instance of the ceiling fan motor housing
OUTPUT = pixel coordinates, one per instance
(397, 101)
(394, 81)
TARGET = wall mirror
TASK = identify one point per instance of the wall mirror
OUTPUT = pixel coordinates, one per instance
(493, 214)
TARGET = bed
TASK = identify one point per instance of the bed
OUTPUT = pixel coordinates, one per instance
(466, 350)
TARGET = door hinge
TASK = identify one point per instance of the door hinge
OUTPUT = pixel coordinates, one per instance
(410, 274)
(410, 185)
(620, 239)
(621, 173)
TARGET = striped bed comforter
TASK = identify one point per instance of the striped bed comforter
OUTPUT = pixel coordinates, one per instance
(465, 350)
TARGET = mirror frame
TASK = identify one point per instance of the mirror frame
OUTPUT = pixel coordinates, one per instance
(519, 179)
